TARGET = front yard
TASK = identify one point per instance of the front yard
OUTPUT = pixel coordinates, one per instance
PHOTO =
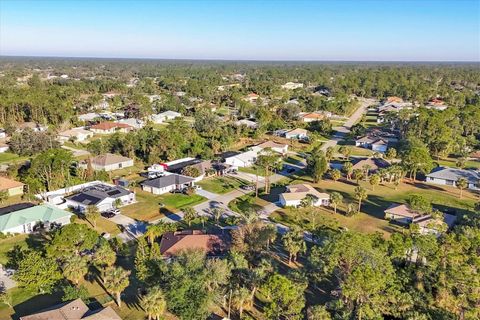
(221, 185)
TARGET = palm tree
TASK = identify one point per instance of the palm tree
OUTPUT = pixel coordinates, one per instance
(462, 183)
(360, 195)
(335, 200)
(241, 299)
(153, 303)
(189, 214)
(358, 175)
(269, 160)
(374, 180)
(348, 169)
(335, 174)
(92, 214)
(104, 257)
(366, 169)
(294, 243)
(116, 280)
(75, 268)
(269, 232)
(217, 214)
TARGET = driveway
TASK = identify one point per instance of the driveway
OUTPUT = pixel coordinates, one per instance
(6, 279)
(132, 228)
(77, 152)
(207, 194)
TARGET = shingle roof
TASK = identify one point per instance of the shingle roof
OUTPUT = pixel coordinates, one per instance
(402, 210)
(454, 174)
(6, 184)
(95, 194)
(374, 163)
(110, 125)
(300, 191)
(168, 180)
(42, 212)
(108, 159)
(211, 244)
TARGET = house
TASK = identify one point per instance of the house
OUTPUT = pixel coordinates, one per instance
(252, 97)
(102, 195)
(403, 214)
(14, 188)
(247, 123)
(3, 147)
(3, 134)
(133, 122)
(213, 245)
(311, 117)
(365, 141)
(167, 183)
(449, 177)
(78, 134)
(108, 127)
(242, 160)
(107, 162)
(373, 164)
(277, 147)
(88, 116)
(436, 104)
(475, 155)
(164, 116)
(292, 85)
(31, 125)
(298, 133)
(24, 217)
(379, 145)
(155, 170)
(73, 310)
(297, 192)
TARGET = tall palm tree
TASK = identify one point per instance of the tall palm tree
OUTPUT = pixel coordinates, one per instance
(241, 299)
(116, 280)
(462, 183)
(75, 268)
(153, 303)
(92, 214)
(360, 195)
(335, 200)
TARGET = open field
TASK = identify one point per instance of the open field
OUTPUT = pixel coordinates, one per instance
(220, 185)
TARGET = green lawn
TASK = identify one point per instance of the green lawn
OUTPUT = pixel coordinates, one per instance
(252, 170)
(220, 185)
(7, 244)
(451, 162)
(7, 157)
(180, 201)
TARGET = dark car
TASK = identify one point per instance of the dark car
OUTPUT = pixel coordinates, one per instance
(290, 170)
(176, 191)
(108, 214)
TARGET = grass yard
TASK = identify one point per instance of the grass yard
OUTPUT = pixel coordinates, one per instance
(103, 225)
(178, 201)
(8, 243)
(451, 162)
(8, 157)
(221, 185)
(253, 170)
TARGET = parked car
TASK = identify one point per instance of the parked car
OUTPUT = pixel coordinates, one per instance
(247, 187)
(290, 170)
(108, 214)
(176, 191)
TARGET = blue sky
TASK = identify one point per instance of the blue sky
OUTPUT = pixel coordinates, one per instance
(379, 30)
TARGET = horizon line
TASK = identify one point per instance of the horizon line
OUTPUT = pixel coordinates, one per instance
(234, 60)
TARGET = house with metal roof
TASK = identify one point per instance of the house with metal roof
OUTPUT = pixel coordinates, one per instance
(449, 177)
(167, 183)
(23, 218)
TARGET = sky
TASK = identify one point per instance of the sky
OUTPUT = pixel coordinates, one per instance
(342, 30)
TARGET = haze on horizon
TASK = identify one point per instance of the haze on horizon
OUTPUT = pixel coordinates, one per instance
(244, 30)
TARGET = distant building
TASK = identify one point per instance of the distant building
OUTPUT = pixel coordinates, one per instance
(164, 116)
(298, 192)
(107, 162)
(3, 134)
(88, 116)
(12, 187)
(373, 164)
(252, 97)
(31, 125)
(277, 147)
(449, 177)
(213, 245)
(242, 160)
(292, 85)
(73, 310)
(312, 117)
(133, 122)
(247, 123)
(299, 134)
(79, 134)
(110, 128)
(24, 217)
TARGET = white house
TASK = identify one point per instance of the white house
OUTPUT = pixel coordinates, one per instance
(3, 147)
(297, 192)
(156, 169)
(134, 123)
(79, 134)
(379, 145)
(164, 116)
(102, 195)
(292, 85)
(107, 162)
(242, 160)
(297, 134)
(88, 116)
(24, 217)
(277, 147)
(449, 177)
(247, 123)
(167, 183)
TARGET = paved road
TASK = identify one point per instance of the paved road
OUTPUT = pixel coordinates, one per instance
(341, 131)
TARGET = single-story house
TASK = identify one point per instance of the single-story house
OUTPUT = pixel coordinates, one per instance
(297, 134)
(449, 177)
(311, 117)
(4, 147)
(292, 85)
(379, 145)
(133, 122)
(374, 164)
(107, 162)
(277, 147)
(156, 169)
(374, 143)
(164, 116)
(167, 183)
(23, 217)
(88, 116)
(242, 160)
(74, 310)
(213, 245)
(365, 141)
(252, 97)
(297, 192)
(247, 123)
(12, 187)
(108, 127)
(401, 213)
(102, 195)
(79, 134)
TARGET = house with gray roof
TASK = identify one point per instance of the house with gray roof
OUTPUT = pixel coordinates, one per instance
(167, 183)
(449, 177)
(24, 217)
(104, 196)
